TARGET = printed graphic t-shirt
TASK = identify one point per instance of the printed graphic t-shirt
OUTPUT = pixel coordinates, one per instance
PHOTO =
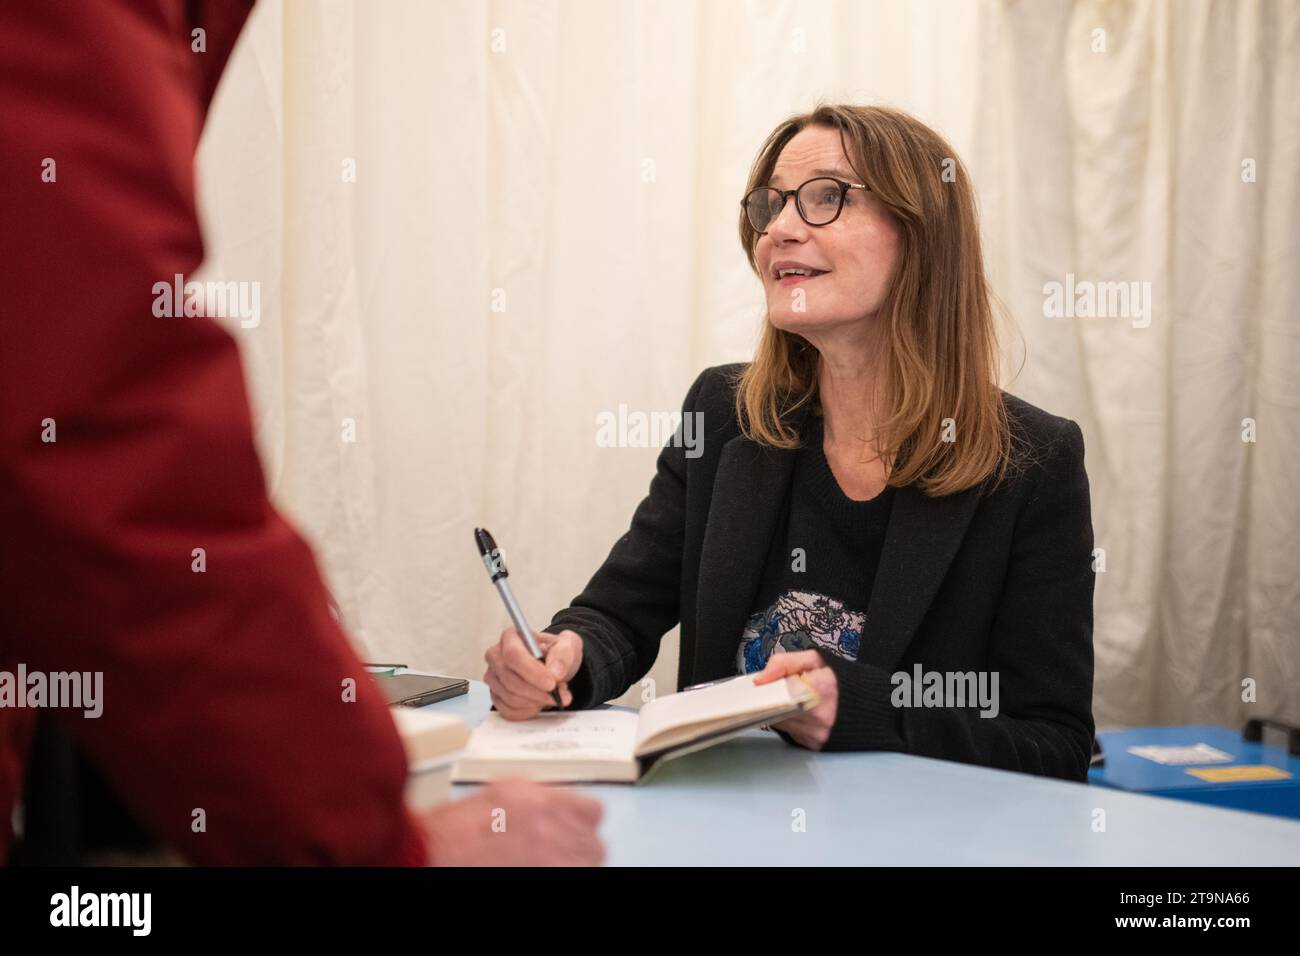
(818, 578)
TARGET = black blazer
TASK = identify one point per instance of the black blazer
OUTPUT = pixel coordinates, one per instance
(980, 581)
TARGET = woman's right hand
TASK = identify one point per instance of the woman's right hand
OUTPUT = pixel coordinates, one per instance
(520, 684)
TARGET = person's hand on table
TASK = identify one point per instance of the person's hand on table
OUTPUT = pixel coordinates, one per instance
(809, 728)
(520, 684)
(515, 823)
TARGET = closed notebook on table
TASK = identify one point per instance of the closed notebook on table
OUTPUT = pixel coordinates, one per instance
(432, 742)
(622, 746)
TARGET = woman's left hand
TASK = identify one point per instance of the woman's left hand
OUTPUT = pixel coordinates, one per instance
(810, 728)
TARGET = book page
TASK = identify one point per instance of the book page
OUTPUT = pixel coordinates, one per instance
(608, 735)
(730, 700)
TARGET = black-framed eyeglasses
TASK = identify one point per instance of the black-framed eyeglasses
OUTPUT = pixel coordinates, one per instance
(819, 202)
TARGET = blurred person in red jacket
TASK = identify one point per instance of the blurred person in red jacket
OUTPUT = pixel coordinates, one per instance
(126, 444)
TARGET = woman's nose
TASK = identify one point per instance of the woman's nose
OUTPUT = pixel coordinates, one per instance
(788, 224)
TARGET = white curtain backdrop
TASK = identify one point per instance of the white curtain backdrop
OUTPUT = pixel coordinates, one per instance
(477, 225)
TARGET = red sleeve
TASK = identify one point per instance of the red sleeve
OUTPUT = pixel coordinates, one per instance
(223, 691)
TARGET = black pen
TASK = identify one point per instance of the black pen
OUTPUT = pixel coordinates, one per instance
(496, 569)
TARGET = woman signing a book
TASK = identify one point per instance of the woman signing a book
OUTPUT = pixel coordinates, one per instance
(863, 505)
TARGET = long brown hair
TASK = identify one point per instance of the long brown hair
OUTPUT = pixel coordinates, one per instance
(940, 356)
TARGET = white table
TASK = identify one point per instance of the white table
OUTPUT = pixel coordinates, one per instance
(742, 802)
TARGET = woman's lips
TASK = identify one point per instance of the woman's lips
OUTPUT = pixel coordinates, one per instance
(792, 280)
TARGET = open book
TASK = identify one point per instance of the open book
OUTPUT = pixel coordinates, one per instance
(621, 746)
